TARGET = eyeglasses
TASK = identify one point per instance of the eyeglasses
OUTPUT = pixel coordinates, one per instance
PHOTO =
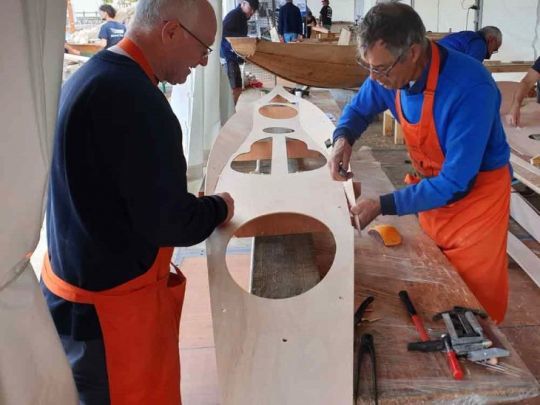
(378, 72)
(208, 49)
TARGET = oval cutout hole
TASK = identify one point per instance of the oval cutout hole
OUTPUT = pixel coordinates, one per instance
(278, 111)
(278, 130)
(283, 255)
(535, 137)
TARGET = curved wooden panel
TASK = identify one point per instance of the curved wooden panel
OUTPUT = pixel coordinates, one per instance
(296, 350)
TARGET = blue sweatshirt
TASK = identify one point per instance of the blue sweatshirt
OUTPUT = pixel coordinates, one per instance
(468, 42)
(290, 20)
(468, 124)
(118, 189)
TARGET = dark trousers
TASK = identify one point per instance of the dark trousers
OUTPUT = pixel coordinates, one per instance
(87, 361)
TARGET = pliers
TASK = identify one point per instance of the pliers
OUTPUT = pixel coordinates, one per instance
(366, 346)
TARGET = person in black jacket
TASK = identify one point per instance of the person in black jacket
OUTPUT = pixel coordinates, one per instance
(290, 23)
(325, 18)
(235, 24)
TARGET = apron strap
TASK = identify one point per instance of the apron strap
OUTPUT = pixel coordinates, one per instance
(133, 50)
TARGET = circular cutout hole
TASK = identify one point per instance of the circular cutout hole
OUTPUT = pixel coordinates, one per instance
(278, 130)
(278, 111)
(280, 255)
(535, 137)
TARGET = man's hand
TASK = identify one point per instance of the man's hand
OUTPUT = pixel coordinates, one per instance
(230, 207)
(512, 118)
(367, 210)
(339, 161)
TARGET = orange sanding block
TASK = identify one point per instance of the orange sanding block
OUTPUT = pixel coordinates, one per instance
(388, 233)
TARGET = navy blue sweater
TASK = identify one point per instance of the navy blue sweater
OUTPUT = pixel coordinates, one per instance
(290, 20)
(118, 188)
(235, 24)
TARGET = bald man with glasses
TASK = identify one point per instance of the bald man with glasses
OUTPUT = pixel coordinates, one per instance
(448, 107)
(118, 204)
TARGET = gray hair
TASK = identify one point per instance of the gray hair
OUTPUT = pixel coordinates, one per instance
(150, 13)
(397, 25)
(491, 31)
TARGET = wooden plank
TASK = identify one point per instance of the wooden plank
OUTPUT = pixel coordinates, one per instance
(527, 260)
(388, 123)
(525, 215)
(398, 134)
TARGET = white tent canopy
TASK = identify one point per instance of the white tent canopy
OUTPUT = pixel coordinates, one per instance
(33, 368)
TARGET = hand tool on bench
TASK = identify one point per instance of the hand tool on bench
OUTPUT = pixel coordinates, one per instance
(417, 321)
(365, 346)
(453, 362)
(465, 336)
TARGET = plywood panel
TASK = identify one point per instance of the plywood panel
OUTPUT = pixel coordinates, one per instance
(281, 351)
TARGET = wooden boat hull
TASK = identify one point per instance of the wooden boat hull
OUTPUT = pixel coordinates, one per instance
(323, 64)
(318, 65)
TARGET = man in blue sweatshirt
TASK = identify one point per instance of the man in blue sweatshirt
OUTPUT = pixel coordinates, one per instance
(479, 45)
(290, 23)
(448, 106)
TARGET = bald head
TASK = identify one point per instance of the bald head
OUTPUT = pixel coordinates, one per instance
(174, 35)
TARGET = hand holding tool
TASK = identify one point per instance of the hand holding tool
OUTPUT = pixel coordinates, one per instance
(417, 321)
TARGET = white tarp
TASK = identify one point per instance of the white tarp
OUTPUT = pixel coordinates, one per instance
(33, 368)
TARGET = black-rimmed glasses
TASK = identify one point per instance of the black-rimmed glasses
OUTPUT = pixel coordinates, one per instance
(385, 72)
(208, 49)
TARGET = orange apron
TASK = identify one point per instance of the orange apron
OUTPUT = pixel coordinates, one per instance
(471, 232)
(140, 322)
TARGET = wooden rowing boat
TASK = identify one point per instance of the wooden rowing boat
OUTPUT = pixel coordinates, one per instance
(319, 65)
(323, 64)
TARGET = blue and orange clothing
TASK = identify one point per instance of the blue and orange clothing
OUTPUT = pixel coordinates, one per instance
(457, 147)
(118, 189)
(536, 65)
(470, 43)
(290, 20)
(113, 32)
(235, 24)
(468, 124)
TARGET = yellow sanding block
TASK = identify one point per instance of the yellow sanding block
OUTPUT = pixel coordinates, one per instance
(388, 233)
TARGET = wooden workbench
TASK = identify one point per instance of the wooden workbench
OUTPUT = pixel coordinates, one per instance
(417, 266)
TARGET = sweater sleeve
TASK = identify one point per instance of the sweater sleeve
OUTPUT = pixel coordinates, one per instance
(467, 134)
(371, 99)
(145, 154)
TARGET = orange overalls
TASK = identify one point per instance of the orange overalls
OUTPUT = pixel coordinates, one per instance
(139, 320)
(472, 232)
